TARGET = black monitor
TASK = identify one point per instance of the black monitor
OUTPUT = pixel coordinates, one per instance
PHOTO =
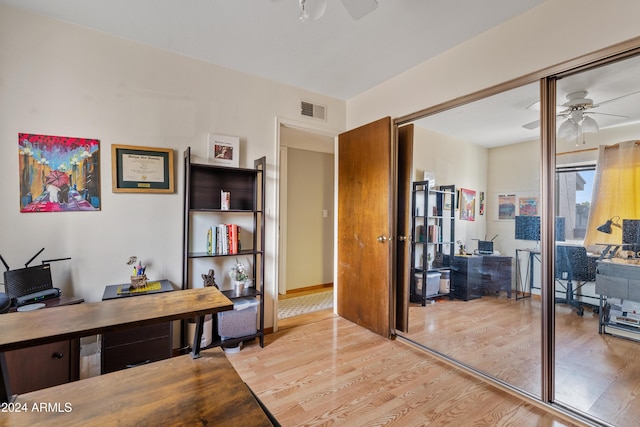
(29, 280)
(631, 234)
(528, 228)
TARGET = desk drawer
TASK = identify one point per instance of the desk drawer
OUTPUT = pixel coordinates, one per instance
(132, 347)
(133, 335)
(131, 355)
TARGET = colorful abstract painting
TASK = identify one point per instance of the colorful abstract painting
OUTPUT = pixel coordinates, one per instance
(58, 173)
(467, 204)
(528, 206)
(506, 206)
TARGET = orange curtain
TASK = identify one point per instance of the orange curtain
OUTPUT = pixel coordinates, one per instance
(616, 190)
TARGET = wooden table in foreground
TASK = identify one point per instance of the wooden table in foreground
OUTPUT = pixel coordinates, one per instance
(20, 330)
(176, 391)
(27, 329)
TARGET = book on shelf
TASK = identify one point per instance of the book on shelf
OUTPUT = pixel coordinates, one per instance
(223, 239)
(433, 233)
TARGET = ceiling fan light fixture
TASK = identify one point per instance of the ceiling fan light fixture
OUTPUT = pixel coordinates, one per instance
(568, 129)
(589, 125)
(311, 10)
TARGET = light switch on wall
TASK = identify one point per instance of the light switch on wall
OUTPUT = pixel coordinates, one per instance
(325, 213)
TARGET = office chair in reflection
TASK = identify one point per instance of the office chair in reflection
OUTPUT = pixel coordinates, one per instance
(573, 270)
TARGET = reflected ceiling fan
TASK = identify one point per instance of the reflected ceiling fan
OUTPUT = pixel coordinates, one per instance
(577, 114)
(311, 10)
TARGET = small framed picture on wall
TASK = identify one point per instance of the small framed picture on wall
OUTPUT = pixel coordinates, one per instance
(223, 150)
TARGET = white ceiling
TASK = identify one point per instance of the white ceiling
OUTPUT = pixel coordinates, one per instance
(499, 119)
(340, 57)
(335, 55)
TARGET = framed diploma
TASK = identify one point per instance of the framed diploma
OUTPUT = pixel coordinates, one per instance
(141, 169)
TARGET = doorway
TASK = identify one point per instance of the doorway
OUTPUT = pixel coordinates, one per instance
(306, 222)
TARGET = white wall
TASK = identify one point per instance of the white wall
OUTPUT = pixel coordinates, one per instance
(453, 162)
(60, 79)
(555, 31)
(309, 233)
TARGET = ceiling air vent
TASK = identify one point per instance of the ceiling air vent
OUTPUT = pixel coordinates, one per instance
(308, 109)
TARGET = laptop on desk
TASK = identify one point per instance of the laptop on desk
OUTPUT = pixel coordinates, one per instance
(485, 247)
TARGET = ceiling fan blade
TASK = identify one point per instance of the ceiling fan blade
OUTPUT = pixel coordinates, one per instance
(615, 99)
(359, 8)
(606, 114)
(533, 125)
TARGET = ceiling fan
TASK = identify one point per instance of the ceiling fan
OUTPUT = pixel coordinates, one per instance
(311, 10)
(577, 112)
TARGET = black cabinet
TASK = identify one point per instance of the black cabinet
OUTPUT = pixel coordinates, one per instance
(128, 348)
(136, 346)
(241, 223)
(474, 276)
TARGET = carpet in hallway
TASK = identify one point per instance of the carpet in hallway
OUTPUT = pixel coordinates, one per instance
(296, 306)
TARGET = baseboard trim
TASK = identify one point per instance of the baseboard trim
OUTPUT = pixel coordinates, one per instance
(310, 288)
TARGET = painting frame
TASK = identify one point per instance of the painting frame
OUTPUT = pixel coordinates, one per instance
(223, 150)
(136, 169)
(506, 203)
(467, 204)
(58, 173)
(528, 206)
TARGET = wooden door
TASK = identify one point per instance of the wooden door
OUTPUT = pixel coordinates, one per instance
(403, 239)
(365, 215)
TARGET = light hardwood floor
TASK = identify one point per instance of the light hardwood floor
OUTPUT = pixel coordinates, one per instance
(597, 374)
(331, 371)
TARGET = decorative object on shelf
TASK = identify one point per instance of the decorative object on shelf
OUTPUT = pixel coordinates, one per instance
(462, 250)
(225, 200)
(239, 276)
(224, 150)
(209, 279)
(139, 278)
(58, 173)
(141, 169)
(138, 281)
(431, 177)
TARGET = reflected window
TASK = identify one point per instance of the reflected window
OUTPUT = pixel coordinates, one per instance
(574, 186)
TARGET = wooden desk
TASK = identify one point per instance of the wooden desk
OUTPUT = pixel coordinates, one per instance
(45, 365)
(20, 330)
(27, 329)
(472, 276)
(176, 391)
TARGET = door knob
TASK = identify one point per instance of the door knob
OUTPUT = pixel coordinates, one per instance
(382, 239)
(57, 355)
(402, 238)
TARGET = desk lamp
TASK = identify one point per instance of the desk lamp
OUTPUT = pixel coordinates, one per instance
(606, 227)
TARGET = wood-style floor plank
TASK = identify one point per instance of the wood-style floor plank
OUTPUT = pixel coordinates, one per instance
(331, 371)
(597, 374)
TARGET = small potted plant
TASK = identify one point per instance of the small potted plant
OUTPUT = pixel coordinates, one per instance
(239, 276)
